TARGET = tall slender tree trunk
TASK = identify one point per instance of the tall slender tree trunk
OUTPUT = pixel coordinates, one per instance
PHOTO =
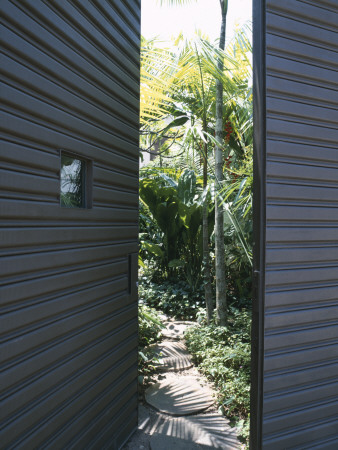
(205, 222)
(206, 257)
(221, 299)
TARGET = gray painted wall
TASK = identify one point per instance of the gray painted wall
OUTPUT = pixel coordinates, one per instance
(68, 306)
(297, 144)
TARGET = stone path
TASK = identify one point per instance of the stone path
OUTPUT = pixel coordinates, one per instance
(173, 356)
(179, 410)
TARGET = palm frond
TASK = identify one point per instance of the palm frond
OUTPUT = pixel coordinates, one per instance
(175, 2)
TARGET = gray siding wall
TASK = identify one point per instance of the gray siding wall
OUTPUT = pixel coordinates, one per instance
(68, 309)
(299, 93)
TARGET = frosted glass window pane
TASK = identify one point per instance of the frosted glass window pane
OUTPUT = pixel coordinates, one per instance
(72, 182)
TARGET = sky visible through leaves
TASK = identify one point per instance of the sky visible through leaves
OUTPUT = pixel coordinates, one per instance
(168, 21)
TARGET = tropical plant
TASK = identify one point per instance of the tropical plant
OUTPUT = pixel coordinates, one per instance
(176, 208)
(149, 328)
(192, 109)
(173, 297)
(223, 355)
(221, 299)
(204, 104)
(194, 99)
(157, 69)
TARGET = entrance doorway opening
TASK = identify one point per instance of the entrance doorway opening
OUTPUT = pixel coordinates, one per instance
(194, 175)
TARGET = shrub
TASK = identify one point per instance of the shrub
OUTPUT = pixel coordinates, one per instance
(150, 327)
(177, 299)
(223, 355)
(171, 225)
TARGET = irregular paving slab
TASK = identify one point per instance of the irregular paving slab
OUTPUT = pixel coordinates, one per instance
(163, 442)
(143, 417)
(194, 432)
(173, 356)
(179, 397)
(163, 317)
(176, 330)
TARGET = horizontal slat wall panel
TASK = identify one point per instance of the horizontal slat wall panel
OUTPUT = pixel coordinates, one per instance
(302, 256)
(300, 388)
(68, 339)
(42, 378)
(46, 134)
(15, 213)
(66, 234)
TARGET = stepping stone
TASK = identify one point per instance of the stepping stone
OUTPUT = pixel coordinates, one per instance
(143, 417)
(176, 330)
(163, 317)
(162, 442)
(173, 355)
(194, 432)
(179, 397)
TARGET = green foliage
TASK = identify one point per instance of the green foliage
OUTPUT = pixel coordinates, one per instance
(183, 126)
(149, 329)
(178, 117)
(223, 355)
(171, 225)
(175, 298)
(238, 237)
(149, 326)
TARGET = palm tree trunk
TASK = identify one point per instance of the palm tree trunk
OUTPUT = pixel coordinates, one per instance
(206, 257)
(221, 299)
(205, 222)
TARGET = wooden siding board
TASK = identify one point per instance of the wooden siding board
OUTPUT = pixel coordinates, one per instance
(304, 51)
(301, 91)
(35, 315)
(58, 43)
(69, 327)
(50, 92)
(280, 193)
(32, 211)
(114, 424)
(300, 283)
(291, 297)
(62, 260)
(318, 115)
(23, 128)
(59, 404)
(306, 12)
(296, 377)
(66, 234)
(295, 70)
(283, 257)
(58, 75)
(88, 417)
(318, 354)
(92, 360)
(124, 21)
(51, 334)
(301, 130)
(28, 185)
(67, 21)
(61, 119)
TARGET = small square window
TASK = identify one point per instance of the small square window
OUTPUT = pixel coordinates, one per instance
(73, 182)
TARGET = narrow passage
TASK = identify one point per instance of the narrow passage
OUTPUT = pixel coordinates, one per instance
(179, 409)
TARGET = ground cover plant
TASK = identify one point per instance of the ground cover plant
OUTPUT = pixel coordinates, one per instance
(149, 332)
(174, 298)
(176, 209)
(185, 120)
(223, 355)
